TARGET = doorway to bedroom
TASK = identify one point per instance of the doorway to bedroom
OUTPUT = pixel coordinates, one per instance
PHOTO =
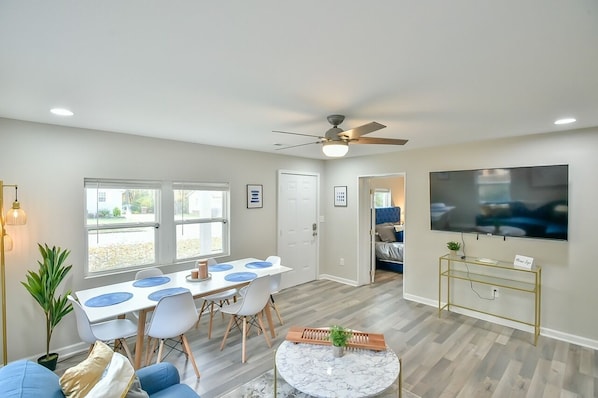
(382, 224)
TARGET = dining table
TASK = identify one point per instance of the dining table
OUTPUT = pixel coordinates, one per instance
(142, 295)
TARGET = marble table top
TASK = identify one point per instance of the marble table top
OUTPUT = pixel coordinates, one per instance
(312, 369)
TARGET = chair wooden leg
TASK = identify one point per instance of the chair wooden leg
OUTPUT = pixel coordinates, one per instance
(261, 323)
(151, 347)
(273, 305)
(211, 320)
(124, 344)
(160, 349)
(203, 307)
(187, 349)
(230, 325)
(243, 356)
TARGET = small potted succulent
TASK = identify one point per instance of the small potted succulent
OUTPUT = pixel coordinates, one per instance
(339, 336)
(453, 246)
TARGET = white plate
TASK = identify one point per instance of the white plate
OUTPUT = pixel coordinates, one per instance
(189, 279)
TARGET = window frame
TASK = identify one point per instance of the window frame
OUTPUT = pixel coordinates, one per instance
(164, 221)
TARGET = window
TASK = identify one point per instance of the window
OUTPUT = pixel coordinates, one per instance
(133, 224)
(199, 218)
(494, 186)
(382, 197)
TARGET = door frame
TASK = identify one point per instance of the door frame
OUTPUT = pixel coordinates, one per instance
(366, 226)
(318, 218)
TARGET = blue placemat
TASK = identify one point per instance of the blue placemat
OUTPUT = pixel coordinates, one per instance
(240, 276)
(220, 267)
(157, 295)
(151, 281)
(258, 264)
(104, 300)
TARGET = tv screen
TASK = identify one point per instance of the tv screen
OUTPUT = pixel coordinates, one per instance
(529, 202)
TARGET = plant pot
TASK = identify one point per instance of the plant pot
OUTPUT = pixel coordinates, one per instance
(453, 252)
(337, 351)
(49, 361)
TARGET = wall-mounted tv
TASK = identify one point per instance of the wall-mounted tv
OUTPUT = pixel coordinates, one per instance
(529, 202)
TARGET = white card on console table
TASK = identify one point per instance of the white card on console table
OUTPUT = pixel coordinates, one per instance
(523, 262)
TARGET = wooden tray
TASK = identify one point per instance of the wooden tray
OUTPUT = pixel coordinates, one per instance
(370, 341)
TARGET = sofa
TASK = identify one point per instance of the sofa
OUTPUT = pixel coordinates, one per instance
(547, 221)
(28, 379)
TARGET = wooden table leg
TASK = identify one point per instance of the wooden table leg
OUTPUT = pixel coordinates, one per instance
(140, 338)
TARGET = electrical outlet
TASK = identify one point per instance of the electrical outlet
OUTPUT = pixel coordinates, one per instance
(495, 293)
(341, 261)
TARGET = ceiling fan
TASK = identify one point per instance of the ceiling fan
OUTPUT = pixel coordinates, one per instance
(335, 142)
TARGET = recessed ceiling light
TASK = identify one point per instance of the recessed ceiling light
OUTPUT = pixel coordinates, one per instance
(61, 112)
(565, 120)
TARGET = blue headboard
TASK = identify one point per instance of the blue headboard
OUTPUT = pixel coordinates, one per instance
(388, 214)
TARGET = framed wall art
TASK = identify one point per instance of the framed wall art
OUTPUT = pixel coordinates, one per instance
(254, 196)
(340, 196)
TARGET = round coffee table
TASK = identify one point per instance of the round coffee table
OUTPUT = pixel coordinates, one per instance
(312, 369)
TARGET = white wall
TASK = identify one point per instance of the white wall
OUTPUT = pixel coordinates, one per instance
(570, 273)
(49, 164)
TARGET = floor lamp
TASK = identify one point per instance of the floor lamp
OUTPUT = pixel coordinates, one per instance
(14, 216)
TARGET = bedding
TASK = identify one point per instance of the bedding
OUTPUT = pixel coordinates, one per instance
(389, 251)
(389, 247)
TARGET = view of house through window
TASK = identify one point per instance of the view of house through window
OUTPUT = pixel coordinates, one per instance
(199, 219)
(131, 224)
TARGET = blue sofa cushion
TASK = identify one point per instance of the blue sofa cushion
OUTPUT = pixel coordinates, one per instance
(28, 379)
(155, 378)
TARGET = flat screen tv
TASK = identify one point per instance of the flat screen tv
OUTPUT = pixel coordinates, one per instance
(529, 202)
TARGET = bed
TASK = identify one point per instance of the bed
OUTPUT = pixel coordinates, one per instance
(389, 245)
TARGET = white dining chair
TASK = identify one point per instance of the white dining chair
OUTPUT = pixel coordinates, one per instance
(142, 274)
(148, 273)
(173, 316)
(274, 287)
(117, 330)
(214, 302)
(248, 312)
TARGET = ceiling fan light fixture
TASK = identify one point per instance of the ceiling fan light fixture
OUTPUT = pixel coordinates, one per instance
(335, 149)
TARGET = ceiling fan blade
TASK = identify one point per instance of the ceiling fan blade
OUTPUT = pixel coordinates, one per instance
(373, 140)
(288, 132)
(362, 130)
(295, 146)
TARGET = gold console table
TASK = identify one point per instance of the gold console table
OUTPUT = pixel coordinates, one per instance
(499, 274)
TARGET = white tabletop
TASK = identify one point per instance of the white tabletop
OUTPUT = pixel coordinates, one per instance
(140, 301)
(312, 369)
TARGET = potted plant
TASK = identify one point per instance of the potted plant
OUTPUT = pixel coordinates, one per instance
(42, 286)
(453, 246)
(339, 336)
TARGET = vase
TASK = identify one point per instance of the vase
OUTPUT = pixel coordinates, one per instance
(48, 362)
(338, 351)
(453, 252)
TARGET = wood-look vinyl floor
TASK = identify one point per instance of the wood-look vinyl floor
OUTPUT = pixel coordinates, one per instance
(451, 356)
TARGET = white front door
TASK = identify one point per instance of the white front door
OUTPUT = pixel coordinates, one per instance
(298, 227)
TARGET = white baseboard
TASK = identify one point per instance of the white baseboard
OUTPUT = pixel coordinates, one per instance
(337, 279)
(554, 334)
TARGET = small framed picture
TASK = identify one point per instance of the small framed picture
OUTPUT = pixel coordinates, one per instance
(340, 196)
(254, 196)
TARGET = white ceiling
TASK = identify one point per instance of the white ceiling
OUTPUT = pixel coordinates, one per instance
(227, 73)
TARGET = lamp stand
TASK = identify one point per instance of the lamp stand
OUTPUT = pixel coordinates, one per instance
(3, 274)
(3, 264)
